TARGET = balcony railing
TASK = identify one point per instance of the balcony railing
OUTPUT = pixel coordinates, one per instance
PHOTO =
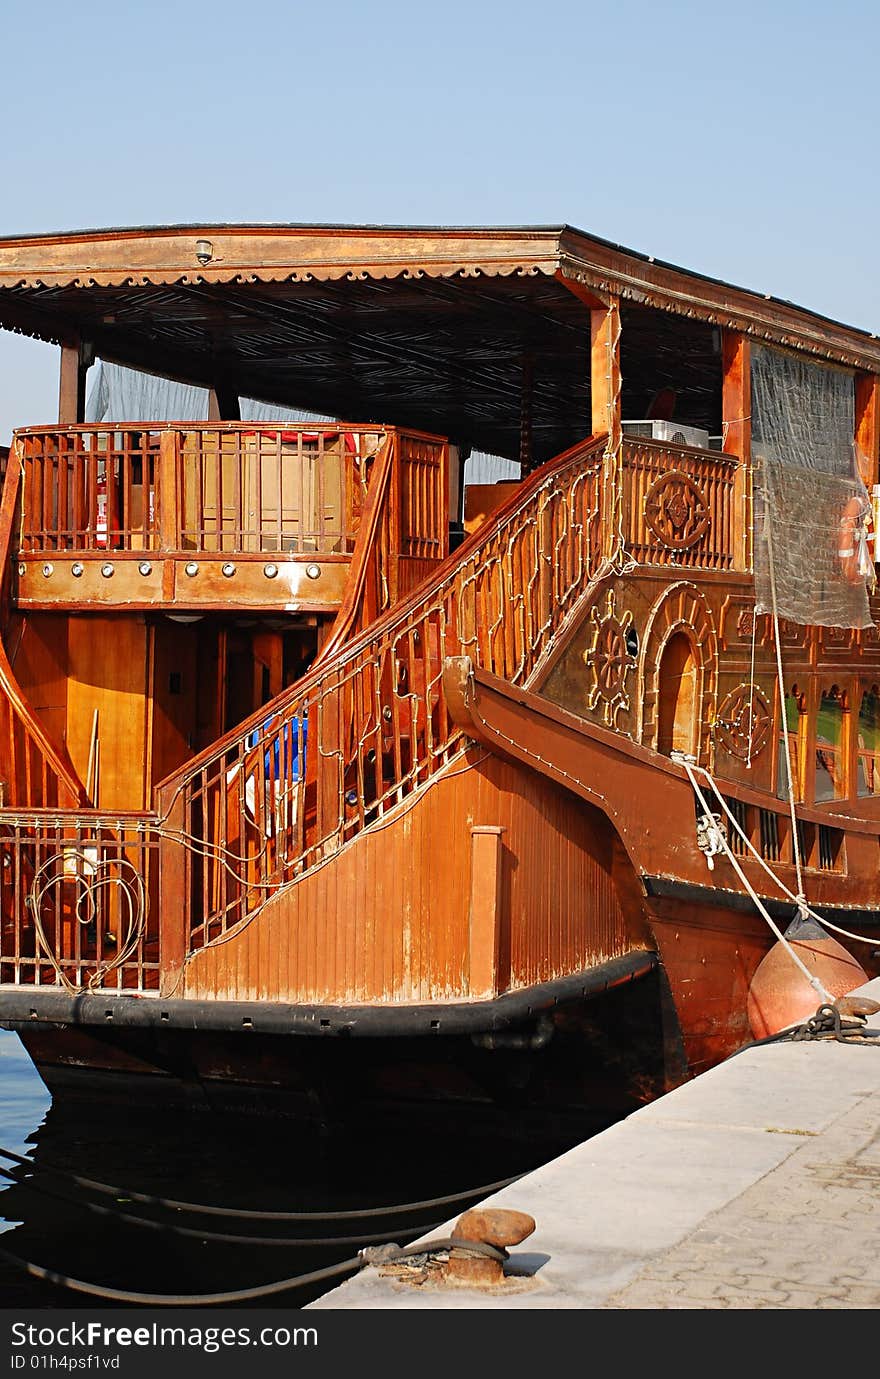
(173, 510)
(678, 505)
(79, 901)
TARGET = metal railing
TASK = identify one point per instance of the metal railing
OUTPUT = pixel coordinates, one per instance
(79, 900)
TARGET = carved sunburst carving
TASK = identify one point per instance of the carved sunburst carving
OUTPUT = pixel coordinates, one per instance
(742, 726)
(676, 511)
(608, 660)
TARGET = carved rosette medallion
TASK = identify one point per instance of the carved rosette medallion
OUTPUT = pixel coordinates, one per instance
(676, 511)
(608, 660)
(743, 723)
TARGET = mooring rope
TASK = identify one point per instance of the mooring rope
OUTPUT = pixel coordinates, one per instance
(786, 890)
(724, 846)
(204, 1209)
(384, 1254)
(826, 1023)
(225, 1238)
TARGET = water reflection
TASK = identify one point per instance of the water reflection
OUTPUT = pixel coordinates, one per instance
(203, 1155)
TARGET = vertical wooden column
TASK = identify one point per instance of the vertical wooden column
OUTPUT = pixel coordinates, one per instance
(75, 360)
(736, 430)
(485, 911)
(168, 494)
(868, 427)
(175, 893)
(223, 403)
(605, 381)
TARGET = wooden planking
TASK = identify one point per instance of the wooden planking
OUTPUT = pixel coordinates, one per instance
(40, 647)
(108, 665)
(736, 432)
(373, 926)
(868, 426)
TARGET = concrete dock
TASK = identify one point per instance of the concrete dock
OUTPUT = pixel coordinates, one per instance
(755, 1186)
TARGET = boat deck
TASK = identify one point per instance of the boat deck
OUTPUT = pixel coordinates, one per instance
(751, 1187)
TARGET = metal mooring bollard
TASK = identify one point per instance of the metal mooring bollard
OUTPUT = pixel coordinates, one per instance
(492, 1226)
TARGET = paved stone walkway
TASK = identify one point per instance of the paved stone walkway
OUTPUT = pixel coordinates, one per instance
(803, 1236)
(755, 1186)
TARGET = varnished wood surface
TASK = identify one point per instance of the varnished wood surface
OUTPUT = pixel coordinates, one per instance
(167, 254)
(373, 927)
(115, 580)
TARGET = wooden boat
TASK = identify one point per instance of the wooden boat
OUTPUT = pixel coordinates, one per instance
(317, 757)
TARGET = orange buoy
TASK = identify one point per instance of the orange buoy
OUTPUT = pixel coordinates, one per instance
(780, 995)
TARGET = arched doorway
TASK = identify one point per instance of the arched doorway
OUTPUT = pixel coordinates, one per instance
(679, 656)
(678, 714)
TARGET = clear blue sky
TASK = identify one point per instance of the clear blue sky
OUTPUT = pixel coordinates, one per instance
(737, 140)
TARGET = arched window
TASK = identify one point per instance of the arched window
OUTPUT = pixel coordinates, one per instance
(830, 775)
(793, 710)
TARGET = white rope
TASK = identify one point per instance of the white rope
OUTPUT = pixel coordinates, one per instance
(752, 688)
(820, 919)
(795, 840)
(815, 982)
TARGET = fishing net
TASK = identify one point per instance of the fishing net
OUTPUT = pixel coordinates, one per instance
(812, 510)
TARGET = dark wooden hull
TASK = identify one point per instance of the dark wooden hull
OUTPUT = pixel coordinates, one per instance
(583, 1065)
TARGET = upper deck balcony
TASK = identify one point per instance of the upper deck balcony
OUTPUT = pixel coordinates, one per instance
(177, 515)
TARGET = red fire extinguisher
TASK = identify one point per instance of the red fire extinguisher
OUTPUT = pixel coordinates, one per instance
(101, 508)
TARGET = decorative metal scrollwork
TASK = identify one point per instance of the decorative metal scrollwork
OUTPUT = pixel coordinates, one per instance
(676, 511)
(743, 723)
(93, 890)
(608, 660)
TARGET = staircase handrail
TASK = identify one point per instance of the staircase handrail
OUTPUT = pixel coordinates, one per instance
(294, 695)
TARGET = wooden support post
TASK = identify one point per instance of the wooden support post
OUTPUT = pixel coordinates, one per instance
(168, 494)
(75, 360)
(223, 402)
(605, 372)
(868, 427)
(605, 381)
(736, 430)
(485, 911)
(175, 895)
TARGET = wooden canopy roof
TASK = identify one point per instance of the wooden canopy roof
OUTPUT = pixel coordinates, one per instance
(444, 329)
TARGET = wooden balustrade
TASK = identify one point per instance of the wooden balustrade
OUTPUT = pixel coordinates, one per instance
(232, 488)
(369, 725)
(678, 505)
(79, 901)
(97, 499)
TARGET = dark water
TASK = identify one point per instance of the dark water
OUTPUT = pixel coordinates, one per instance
(247, 1161)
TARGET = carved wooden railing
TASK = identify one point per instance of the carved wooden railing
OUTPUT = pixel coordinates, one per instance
(363, 730)
(678, 505)
(79, 900)
(97, 499)
(230, 488)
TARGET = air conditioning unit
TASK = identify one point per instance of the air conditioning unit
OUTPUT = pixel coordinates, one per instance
(671, 431)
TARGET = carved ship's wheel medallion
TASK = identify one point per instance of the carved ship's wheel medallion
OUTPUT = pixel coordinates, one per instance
(676, 511)
(609, 661)
(742, 726)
